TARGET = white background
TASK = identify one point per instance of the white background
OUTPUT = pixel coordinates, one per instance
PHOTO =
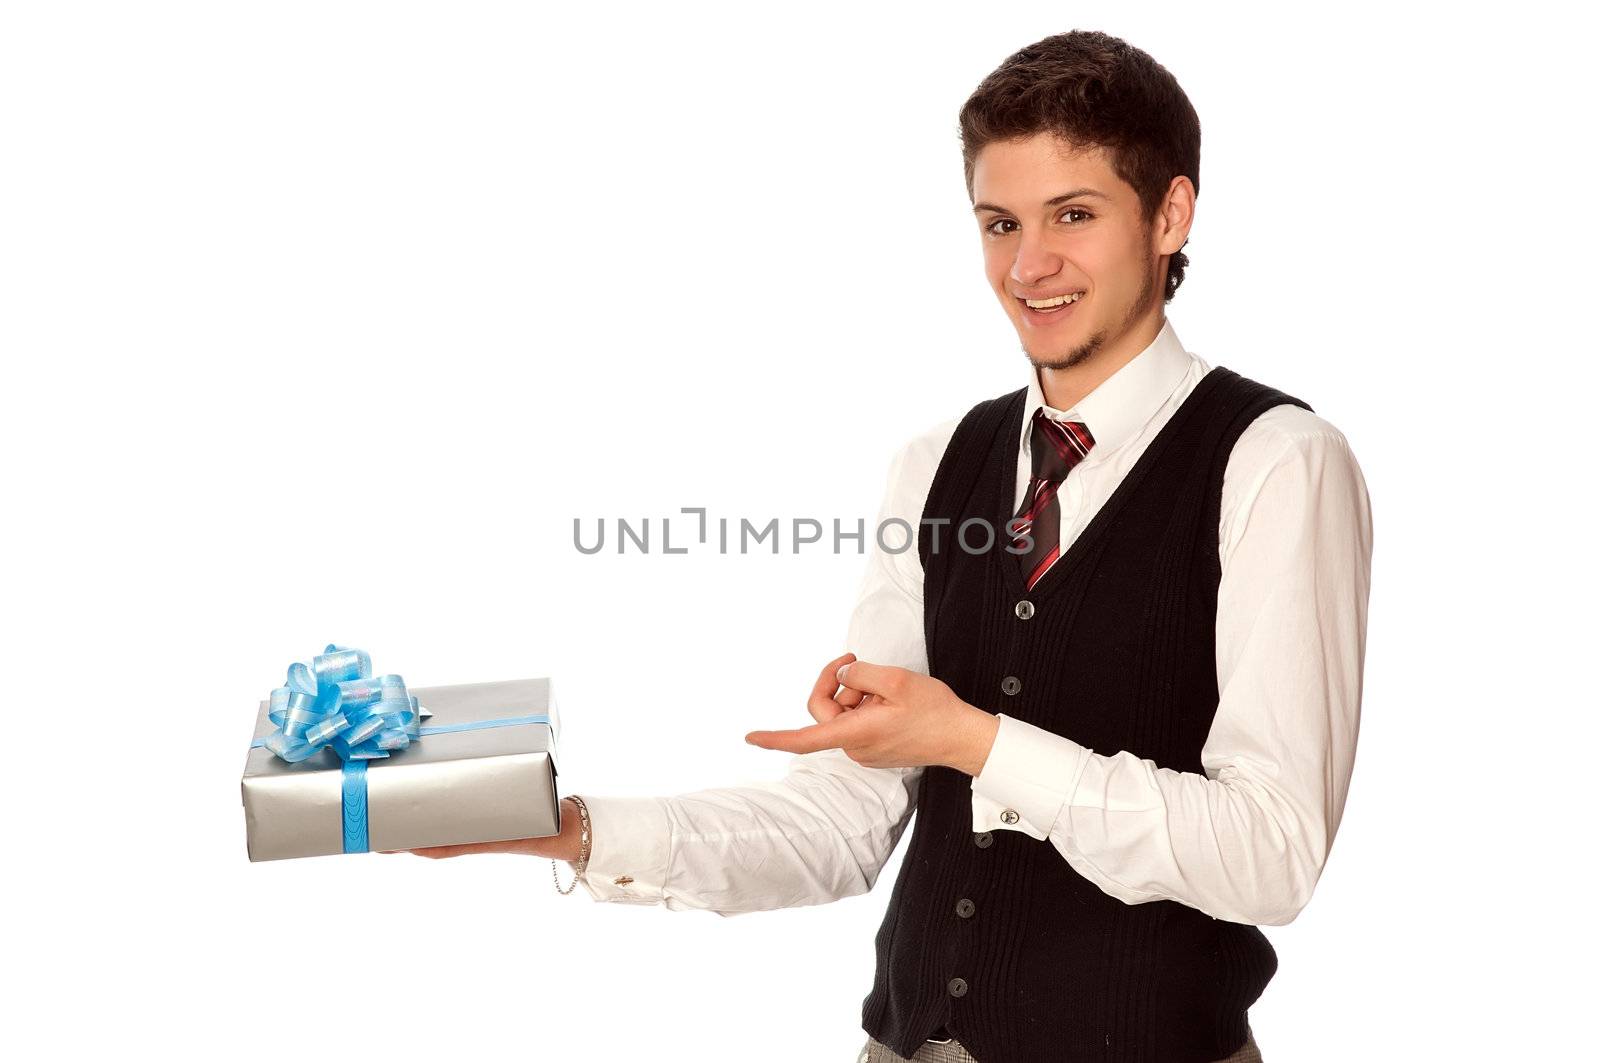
(322, 322)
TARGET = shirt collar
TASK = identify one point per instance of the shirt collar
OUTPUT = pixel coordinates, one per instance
(1124, 401)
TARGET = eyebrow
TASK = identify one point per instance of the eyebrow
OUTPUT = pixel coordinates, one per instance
(1053, 201)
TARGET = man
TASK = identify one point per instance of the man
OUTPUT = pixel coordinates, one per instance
(1129, 723)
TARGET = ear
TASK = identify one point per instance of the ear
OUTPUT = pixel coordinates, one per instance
(1175, 218)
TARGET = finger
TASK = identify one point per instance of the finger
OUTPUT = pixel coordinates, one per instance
(883, 679)
(851, 699)
(834, 734)
(822, 705)
(847, 696)
(440, 852)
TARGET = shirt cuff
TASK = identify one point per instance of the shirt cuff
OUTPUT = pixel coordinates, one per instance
(630, 848)
(1030, 774)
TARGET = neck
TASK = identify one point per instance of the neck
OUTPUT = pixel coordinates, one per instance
(1065, 388)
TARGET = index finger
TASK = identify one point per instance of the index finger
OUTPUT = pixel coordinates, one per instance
(835, 734)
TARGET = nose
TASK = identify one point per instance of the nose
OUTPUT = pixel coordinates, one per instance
(1034, 261)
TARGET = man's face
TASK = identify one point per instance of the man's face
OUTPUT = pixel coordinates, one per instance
(1055, 222)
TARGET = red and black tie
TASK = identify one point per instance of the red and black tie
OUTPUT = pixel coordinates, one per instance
(1057, 446)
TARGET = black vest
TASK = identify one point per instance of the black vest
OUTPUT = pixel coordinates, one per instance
(994, 936)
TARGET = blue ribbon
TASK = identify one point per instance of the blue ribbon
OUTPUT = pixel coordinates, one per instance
(337, 704)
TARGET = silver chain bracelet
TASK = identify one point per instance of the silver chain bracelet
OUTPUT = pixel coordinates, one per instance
(583, 849)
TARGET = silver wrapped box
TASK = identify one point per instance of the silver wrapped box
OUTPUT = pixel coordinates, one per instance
(451, 786)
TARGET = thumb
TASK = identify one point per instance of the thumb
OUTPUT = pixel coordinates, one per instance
(871, 678)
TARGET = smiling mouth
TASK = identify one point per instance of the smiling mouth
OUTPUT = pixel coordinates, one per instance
(1055, 304)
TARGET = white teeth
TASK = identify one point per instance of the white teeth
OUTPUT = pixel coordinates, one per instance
(1060, 300)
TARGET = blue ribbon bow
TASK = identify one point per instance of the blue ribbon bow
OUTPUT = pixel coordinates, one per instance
(337, 703)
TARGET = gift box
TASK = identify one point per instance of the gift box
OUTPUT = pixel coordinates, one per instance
(478, 765)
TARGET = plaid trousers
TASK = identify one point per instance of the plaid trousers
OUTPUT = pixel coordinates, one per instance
(874, 1051)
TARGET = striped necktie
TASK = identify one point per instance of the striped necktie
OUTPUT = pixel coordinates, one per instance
(1057, 446)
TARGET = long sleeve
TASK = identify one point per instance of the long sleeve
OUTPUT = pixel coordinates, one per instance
(826, 828)
(1245, 841)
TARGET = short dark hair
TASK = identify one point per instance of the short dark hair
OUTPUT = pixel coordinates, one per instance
(1093, 90)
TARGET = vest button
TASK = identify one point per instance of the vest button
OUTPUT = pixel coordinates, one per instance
(1024, 609)
(1010, 684)
(965, 908)
(958, 987)
(984, 840)
(1009, 816)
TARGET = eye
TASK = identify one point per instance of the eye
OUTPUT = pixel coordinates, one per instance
(990, 227)
(1076, 210)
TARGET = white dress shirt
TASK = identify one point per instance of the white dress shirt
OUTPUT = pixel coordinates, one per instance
(1245, 841)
